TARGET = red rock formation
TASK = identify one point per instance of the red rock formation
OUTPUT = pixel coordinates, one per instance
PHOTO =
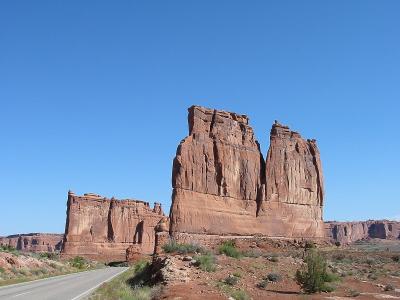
(349, 232)
(294, 186)
(222, 187)
(103, 229)
(34, 242)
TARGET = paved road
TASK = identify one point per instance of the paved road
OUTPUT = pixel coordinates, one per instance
(66, 287)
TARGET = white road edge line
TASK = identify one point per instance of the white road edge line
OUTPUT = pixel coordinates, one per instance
(47, 278)
(21, 294)
(96, 286)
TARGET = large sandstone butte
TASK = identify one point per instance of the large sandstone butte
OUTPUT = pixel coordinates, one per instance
(102, 229)
(349, 232)
(34, 242)
(223, 186)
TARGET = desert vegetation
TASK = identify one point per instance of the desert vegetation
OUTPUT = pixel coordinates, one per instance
(17, 266)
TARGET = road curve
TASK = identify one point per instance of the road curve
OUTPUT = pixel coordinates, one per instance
(66, 287)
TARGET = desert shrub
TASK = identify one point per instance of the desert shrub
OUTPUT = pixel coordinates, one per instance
(231, 280)
(273, 277)
(240, 295)
(339, 256)
(369, 261)
(314, 277)
(262, 284)
(2, 270)
(252, 253)
(373, 276)
(274, 259)
(48, 255)
(140, 266)
(7, 248)
(79, 262)
(237, 274)
(388, 288)
(329, 277)
(23, 272)
(309, 245)
(396, 258)
(353, 293)
(181, 248)
(337, 244)
(229, 249)
(206, 262)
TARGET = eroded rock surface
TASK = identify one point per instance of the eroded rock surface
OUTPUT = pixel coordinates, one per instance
(222, 185)
(349, 232)
(34, 242)
(103, 229)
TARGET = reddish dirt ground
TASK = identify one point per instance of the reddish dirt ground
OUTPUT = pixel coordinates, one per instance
(362, 273)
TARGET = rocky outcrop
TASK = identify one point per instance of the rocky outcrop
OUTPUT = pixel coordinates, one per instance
(223, 186)
(34, 242)
(103, 229)
(349, 232)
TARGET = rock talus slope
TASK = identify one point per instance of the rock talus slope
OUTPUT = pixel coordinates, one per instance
(223, 186)
(103, 229)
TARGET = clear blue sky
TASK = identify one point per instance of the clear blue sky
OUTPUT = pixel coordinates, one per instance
(94, 95)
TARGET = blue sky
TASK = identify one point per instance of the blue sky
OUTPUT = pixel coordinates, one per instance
(94, 95)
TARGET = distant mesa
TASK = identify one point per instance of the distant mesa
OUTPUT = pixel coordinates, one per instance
(34, 242)
(349, 232)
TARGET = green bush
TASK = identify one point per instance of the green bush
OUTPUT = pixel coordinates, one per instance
(273, 277)
(206, 262)
(229, 249)
(262, 284)
(309, 245)
(140, 266)
(314, 277)
(2, 270)
(396, 258)
(240, 295)
(48, 255)
(388, 288)
(7, 248)
(273, 259)
(79, 262)
(354, 293)
(231, 280)
(181, 248)
(252, 253)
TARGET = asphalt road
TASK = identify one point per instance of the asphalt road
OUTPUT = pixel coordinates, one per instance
(66, 287)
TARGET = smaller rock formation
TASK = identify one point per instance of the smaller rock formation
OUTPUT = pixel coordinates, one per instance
(349, 232)
(103, 229)
(34, 242)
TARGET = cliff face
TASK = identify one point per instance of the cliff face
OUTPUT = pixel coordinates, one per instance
(34, 242)
(102, 229)
(294, 186)
(222, 185)
(349, 232)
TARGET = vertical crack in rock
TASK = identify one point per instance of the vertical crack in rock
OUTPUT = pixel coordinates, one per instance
(110, 229)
